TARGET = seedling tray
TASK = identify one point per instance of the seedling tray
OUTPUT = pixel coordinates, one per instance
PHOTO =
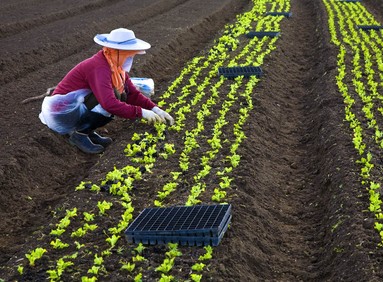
(246, 71)
(369, 27)
(285, 14)
(193, 226)
(261, 34)
(186, 240)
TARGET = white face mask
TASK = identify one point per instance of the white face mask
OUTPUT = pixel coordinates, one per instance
(127, 65)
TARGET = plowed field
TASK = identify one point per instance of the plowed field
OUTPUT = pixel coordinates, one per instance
(299, 210)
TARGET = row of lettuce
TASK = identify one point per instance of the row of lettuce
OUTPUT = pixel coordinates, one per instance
(355, 33)
(210, 132)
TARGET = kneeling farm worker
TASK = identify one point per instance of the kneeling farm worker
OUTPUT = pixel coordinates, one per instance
(96, 90)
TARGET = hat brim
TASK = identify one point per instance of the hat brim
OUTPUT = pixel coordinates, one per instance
(135, 44)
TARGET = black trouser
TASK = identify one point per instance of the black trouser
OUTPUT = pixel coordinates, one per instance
(90, 121)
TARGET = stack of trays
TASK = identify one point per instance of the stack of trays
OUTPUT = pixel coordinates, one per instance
(247, 71)
(286, 14)
(370, 27)
(193, 226)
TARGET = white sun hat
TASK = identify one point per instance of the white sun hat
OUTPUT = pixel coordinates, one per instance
(121, 39)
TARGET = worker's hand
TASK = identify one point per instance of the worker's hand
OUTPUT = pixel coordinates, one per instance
(151, 116)
(164, 115)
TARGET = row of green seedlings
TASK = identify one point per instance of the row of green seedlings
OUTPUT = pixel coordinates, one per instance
(119, 182)
(359, 44)
(252, 51)
(55, 273)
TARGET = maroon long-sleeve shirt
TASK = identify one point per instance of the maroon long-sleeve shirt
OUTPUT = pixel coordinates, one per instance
(94, 73)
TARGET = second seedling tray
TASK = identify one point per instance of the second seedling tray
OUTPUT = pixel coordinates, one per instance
(246, 71)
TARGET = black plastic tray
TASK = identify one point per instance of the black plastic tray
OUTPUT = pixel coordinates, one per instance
(369, 27)
(195, 225)
(246, 71)
(285, 14)
(260, 34)
(186, 240)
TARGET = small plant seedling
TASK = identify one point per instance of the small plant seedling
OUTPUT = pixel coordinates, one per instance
(140, 248)
(138, 277)
(196, 277)
(166, 278)
(112, 240)
(198, 266)
(166, 265)
(58, 244)
(104, 206)
(128, 266)
(20, 269)
(35, 255)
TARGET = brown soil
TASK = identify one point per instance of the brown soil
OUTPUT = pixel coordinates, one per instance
(297, 178)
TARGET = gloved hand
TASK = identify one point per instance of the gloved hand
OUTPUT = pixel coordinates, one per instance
(164, 115)
(151, 116)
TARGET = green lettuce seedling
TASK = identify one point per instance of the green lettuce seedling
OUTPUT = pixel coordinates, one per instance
(166, 265)
(112, 240)
(58, 244)
(196, 277)
(104, 206)
(198, 266)
(166, 278)
(35, 255)
(138, 277)
(128, 266)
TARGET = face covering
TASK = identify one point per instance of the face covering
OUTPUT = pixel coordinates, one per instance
(127, 65)
(116, 59)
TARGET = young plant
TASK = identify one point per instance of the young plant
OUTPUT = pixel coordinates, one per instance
(218, 195)
(78, 245)
(57, 232)
(166, 278)
(196, 277)
(112, 240)
(20, 269)
(104, 206)
(35, 255)
(88, 279)
(208, 255)
(166, 265)
(173, 251)
(88, 216)
(94, 270)
(138, 277)
(128, 266)
(80, 232)
(140, 248)
(199, 266)
(58, 244)
(138, 258)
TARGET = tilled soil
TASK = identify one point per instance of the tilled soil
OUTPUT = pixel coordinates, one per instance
(297, 179)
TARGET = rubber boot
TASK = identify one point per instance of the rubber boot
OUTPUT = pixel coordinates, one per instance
(98, 139)
(82, 141)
